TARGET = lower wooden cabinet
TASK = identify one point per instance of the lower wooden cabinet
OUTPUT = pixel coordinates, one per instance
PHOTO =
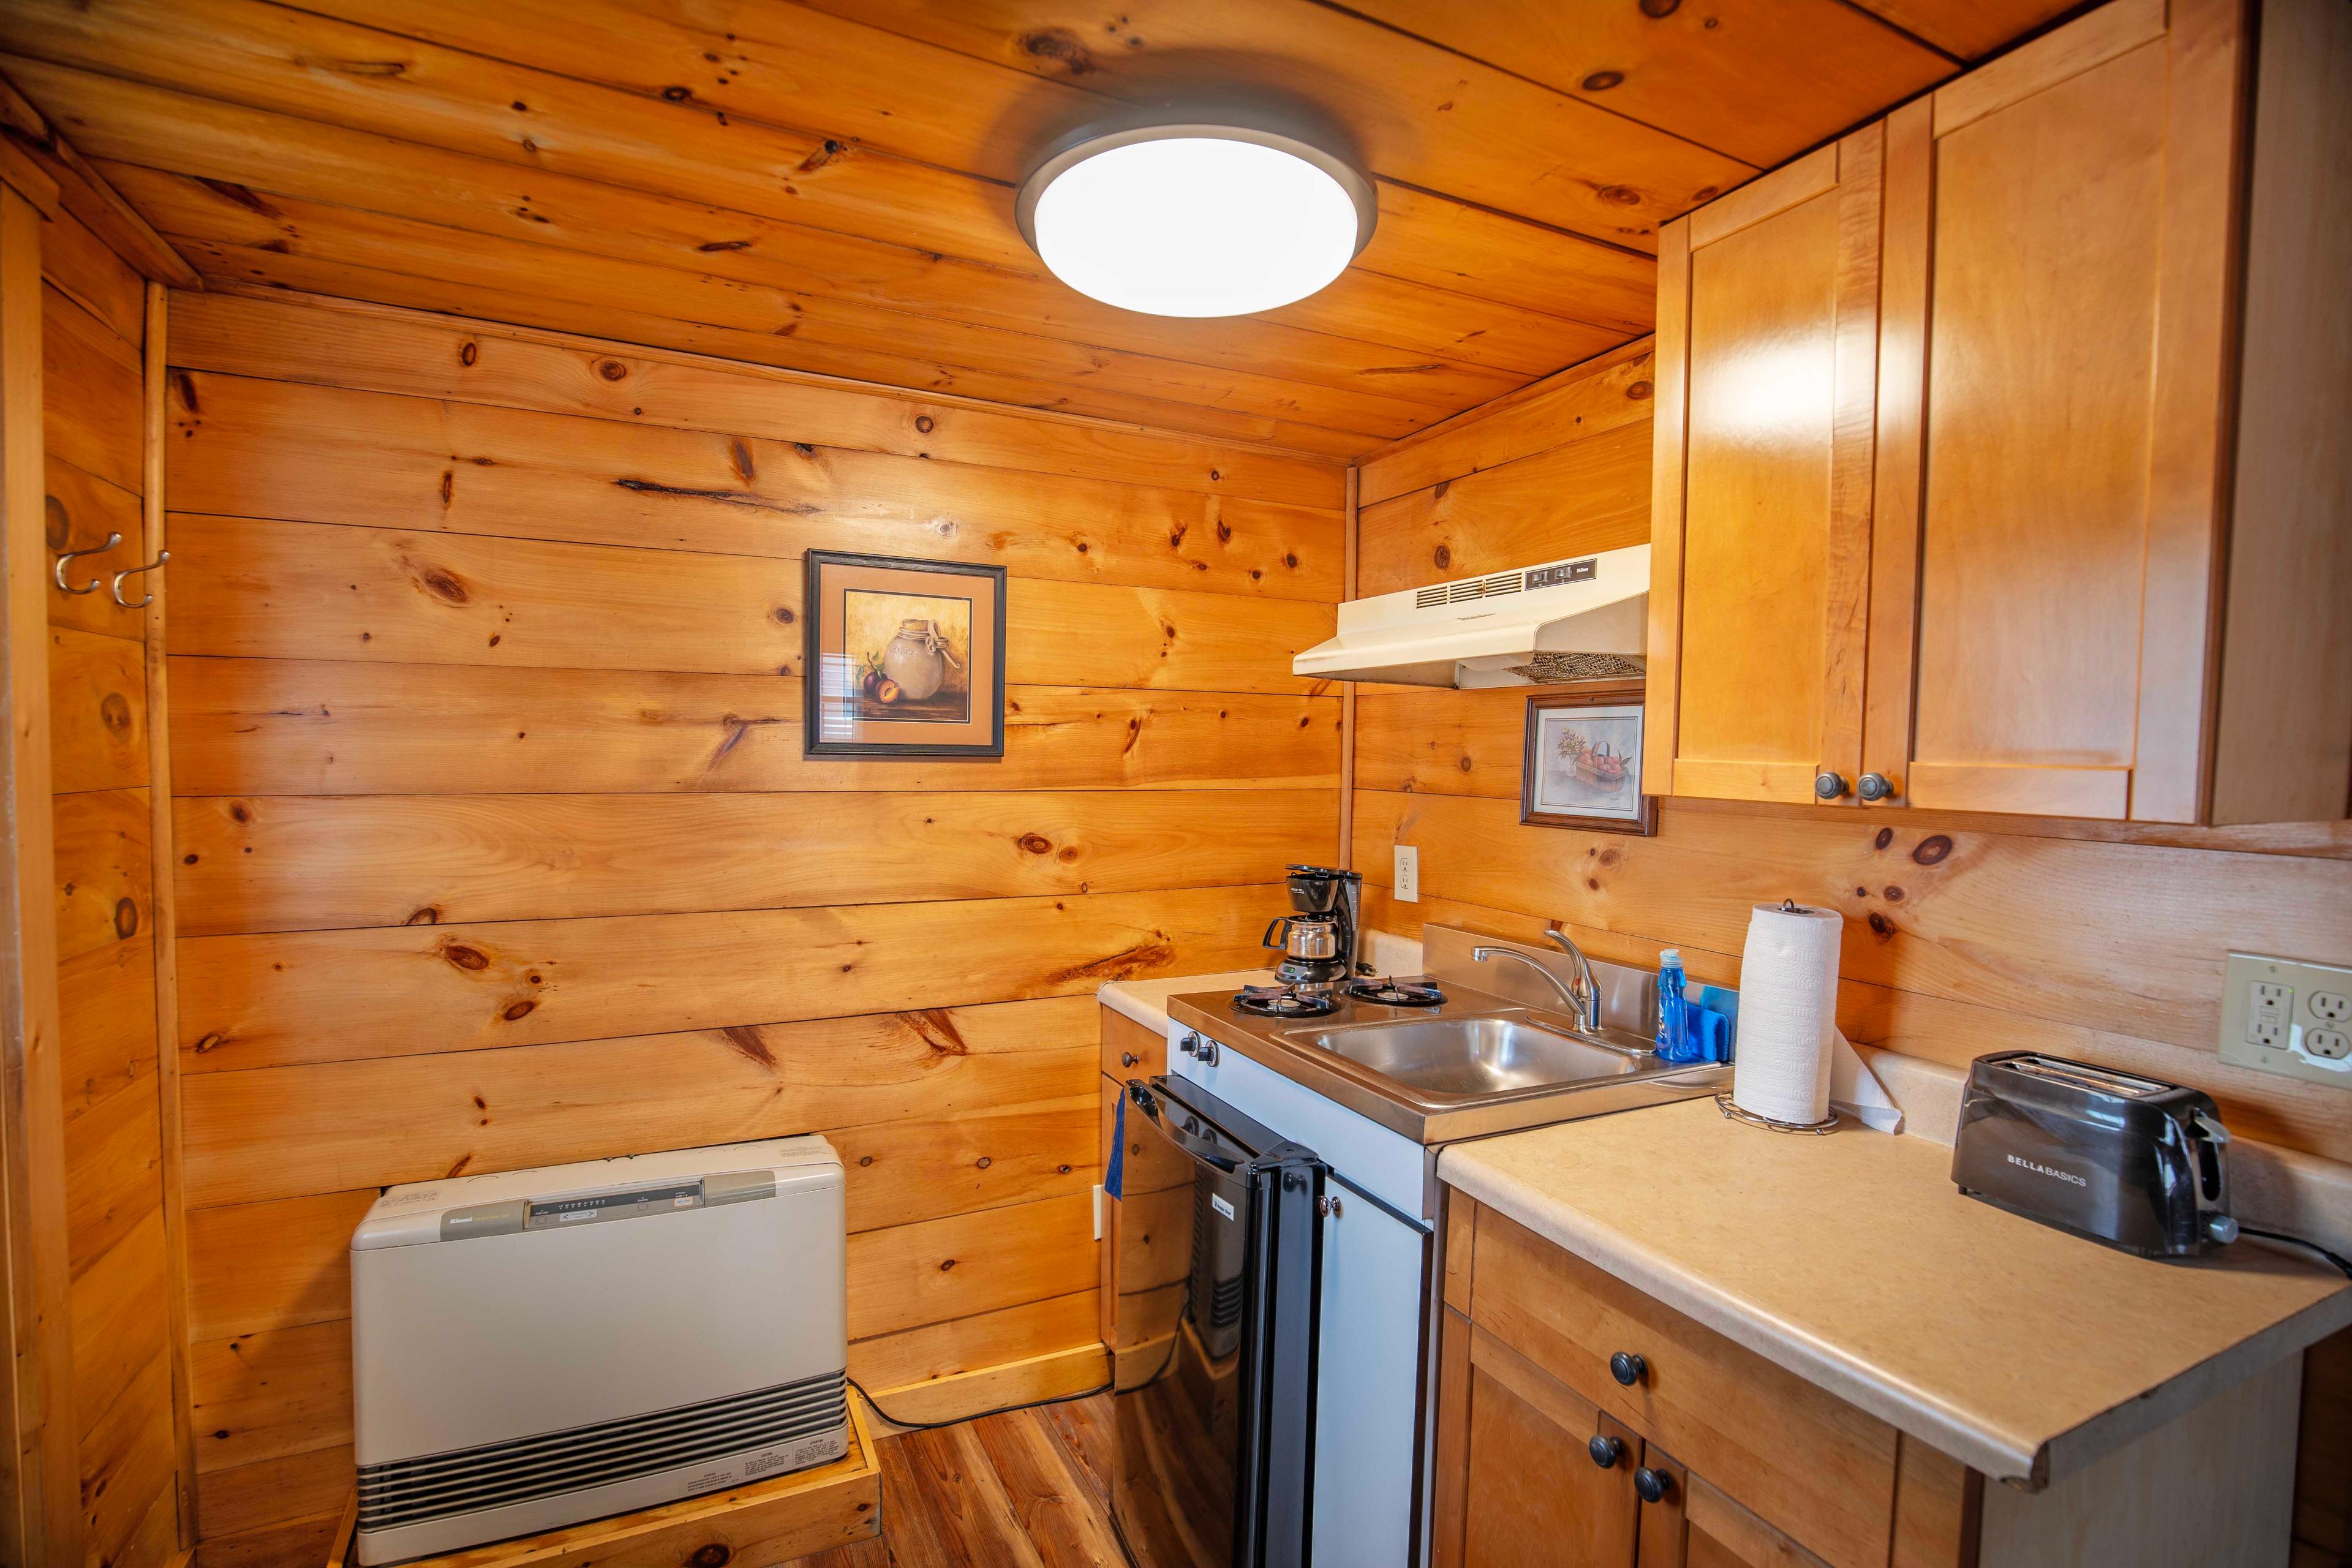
(1534, 1494)
(1691, 1451)
(1146, 1234)
(1696, 1454)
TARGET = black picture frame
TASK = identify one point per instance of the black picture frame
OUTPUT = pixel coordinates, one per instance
(816, 613)
(1641, 818)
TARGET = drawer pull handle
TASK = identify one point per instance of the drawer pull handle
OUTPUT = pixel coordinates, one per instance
(1628, 1368)
(1128, 1058)
(1650, 1485)
(1606, 1450)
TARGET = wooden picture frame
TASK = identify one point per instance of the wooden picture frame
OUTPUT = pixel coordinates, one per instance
(905, 658)
(1592, 740)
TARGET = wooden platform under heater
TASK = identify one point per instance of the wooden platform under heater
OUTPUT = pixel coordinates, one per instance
(771, 1522)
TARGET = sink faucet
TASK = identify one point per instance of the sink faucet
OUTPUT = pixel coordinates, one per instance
(1584, 998)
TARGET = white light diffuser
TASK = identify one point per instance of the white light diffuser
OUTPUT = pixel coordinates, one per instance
(1196, 220)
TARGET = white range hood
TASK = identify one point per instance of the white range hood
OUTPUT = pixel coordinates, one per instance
(1584, 618)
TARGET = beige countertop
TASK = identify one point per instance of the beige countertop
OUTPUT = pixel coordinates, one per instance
(1145, 1001)
(1853, 1262)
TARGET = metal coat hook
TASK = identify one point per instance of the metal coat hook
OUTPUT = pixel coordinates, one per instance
(134, 572)
(65, 555)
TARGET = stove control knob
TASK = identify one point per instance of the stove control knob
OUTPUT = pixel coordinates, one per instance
(1606, 1450)
(1650, 1485)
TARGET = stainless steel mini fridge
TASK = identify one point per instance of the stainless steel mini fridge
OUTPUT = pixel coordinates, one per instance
(1220, 1250)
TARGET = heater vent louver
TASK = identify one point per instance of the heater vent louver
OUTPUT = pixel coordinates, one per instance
(497, 1475)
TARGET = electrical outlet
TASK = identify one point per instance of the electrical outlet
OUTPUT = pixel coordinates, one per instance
(1407, 882)
(2279, 1016)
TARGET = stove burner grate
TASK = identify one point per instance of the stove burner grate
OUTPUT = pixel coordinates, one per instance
(1281, 1002)
(1388, 992)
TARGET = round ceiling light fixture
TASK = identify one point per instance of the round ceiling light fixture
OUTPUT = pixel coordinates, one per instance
(1215, 214)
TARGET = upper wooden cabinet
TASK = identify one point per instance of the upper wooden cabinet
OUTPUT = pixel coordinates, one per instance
(1768, 315)
(2002, 461)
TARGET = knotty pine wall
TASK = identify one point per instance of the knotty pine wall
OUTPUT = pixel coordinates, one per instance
(497, 846)
(1964, 934)
(121, 1399)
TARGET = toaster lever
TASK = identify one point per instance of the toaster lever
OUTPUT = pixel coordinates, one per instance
(2213, 1129)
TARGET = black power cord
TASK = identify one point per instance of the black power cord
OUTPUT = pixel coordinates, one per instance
(2336, 1258)
(975, 1415)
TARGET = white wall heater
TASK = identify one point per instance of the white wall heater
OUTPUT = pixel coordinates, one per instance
(542, 1347)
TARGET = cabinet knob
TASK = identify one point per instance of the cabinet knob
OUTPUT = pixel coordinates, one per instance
(1606, 1450)
(1128, 1058)
(1628, 1368)
(1328, 1208)
(1650, 1485)
(1828, 785)
(1874, 786)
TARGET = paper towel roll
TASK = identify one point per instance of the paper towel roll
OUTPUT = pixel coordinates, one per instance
(1788, 1012)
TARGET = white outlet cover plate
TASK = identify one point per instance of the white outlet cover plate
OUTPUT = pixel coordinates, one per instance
(1407, 885)
(2310, 1046)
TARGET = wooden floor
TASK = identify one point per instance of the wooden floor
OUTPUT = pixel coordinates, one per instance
(1028, 1489)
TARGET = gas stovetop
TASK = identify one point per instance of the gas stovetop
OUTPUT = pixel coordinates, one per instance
(1284, 1002)
(1391, 992)
(1370, 998)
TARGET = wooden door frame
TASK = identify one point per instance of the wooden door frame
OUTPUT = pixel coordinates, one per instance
(40, 1489)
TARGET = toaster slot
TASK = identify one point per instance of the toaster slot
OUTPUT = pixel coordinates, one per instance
(2077, 1075)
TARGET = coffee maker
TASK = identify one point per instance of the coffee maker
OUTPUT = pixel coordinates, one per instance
(1318, 941)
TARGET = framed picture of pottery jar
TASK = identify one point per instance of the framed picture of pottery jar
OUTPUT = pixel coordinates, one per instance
(906, 658)
(1583, 763)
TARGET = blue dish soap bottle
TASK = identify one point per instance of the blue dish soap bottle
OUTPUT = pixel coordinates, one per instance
(1674, 1043)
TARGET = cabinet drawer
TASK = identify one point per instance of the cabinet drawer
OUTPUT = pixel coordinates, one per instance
(1808, 1463)
(1130, 1050)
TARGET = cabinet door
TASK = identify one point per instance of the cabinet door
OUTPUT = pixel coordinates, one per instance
(1767, 323)
(1368, 1382)
(1146, 1246)
(1532, 1492)
(2053, 394)
(1721, 1532)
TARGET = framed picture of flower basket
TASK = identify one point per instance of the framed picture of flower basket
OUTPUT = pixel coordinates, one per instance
(1583, 763)
(906, 658)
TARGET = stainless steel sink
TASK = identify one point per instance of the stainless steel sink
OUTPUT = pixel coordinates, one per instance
(1473, 1057)
(1478, 1064)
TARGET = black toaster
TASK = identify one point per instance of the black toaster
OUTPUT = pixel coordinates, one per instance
(2130, 1161)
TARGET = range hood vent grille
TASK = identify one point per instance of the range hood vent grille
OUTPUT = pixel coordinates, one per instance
(1580, 618)
(1469, 588)
(1556, 668)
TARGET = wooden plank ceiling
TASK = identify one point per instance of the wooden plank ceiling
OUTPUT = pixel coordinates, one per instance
(828, 186)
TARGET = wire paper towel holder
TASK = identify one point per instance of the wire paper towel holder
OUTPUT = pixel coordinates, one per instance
(1723, 1103)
